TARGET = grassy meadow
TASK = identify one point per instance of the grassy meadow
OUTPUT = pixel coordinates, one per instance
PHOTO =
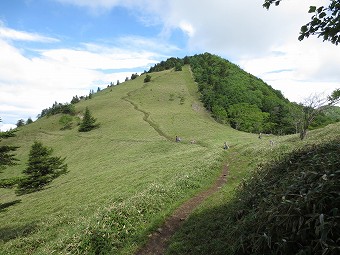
(128, 175)
(124, 177)
(212, 229)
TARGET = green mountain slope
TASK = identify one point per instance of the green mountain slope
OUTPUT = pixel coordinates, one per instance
(129, 166)
(236, 97)
(128, 175)
(242, 100)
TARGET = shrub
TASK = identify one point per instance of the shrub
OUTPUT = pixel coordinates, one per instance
(147, 78)
(66, 122)
(134, 76)
(291, 206)
(178, 67)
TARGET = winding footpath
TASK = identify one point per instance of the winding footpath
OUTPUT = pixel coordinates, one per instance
(158, 241)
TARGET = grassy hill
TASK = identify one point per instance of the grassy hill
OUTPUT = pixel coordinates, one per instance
(128, 175)
(244, 101)
(129, 170)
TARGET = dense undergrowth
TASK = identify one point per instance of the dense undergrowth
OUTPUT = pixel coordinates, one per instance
(289, 205)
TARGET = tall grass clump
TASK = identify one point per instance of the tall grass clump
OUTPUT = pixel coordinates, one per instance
(290, 206)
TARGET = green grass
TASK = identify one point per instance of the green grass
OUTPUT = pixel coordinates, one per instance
(211, 229)
(128, 175)
(129, 166)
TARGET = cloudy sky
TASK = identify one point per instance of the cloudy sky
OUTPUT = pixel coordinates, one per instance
(52, 50)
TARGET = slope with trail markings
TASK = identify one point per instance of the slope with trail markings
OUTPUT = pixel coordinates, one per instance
(127, 173)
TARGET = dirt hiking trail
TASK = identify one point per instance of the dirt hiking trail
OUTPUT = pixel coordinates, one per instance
(158, 241)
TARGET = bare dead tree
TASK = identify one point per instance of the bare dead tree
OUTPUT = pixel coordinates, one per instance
(314, 105)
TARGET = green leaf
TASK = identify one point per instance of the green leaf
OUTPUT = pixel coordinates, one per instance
(322, 14)
(312, 9)
(304, 29)
(320, 9)
(266, 5)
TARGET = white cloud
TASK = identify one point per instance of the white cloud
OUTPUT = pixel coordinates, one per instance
(262, 42)
(249, 35)
(187, 28)
(84, 59)
(231, 28)
(300, 68)
(29, 85)
(155, 46)
(6, 127)
(11, 34)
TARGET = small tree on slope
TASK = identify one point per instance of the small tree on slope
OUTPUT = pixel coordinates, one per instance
(88, 122)
(41, 169)
(7, 158)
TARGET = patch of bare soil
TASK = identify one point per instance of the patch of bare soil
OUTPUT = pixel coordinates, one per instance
(158, 241)
(196, 107)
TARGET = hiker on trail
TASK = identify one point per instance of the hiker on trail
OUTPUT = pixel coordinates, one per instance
(178, 139)
(260, 135)
(225, 146)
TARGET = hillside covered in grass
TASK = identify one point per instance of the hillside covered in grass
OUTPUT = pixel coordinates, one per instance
(127, 175)
(124, 178)
(242, 100)
(288, 204)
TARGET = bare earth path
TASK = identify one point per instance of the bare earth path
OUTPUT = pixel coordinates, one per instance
(158, 241)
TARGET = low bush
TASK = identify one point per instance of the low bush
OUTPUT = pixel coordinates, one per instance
(287, 206)
(290, 206)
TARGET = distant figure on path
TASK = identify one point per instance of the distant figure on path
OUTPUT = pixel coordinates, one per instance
(178, 139)
(225, 146)
(260, 135)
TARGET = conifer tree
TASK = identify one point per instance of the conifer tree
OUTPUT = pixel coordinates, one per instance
(29, 121)
(147, 78)
(20, 123)
(134, 76)
(6, 156)
(88, 123)
(41, 169)
(75, 100)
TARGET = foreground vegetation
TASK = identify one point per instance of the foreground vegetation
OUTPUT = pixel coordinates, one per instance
(128, 174)
(289, 203)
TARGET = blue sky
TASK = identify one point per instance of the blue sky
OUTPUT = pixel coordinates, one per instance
(52, 50)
